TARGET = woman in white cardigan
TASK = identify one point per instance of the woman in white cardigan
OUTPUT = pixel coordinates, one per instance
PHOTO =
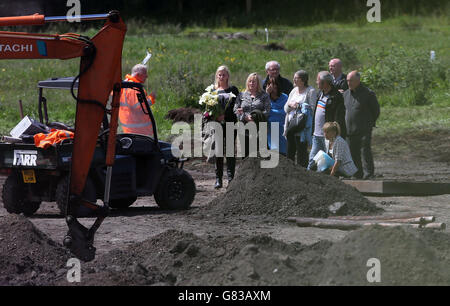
(301, 99)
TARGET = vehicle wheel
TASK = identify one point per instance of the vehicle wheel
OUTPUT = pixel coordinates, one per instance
(62, 192)
(14, 196)
(176, 190)
(30, 208)
(122, 203)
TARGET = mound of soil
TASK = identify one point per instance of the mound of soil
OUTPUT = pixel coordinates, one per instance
(407, 257)
(274, 47)
(178, 258)
(185, 114)
(285, 191)
(28, 256)
(426, 145)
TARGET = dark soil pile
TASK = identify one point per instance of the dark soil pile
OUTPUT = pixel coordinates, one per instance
(177, 258)
(185, 114)
(274, 47)
(427, 145)
(407, 257)
(28, 256)
(285, 191)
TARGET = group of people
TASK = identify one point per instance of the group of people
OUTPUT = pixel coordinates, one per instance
(338, 117)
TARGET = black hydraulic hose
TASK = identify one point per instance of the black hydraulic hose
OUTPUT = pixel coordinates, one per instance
(91, 52)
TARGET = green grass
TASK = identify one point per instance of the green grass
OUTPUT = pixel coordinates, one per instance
(184, 62)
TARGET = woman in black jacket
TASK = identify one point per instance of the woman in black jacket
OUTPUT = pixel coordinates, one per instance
(223, 88)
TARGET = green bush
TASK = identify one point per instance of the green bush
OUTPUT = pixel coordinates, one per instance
(395, 69)
(316, 60)
(184, 80)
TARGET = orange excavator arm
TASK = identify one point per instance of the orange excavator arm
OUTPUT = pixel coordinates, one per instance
(100, 74)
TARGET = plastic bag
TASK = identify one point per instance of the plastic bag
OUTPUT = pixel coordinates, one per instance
(323, 161)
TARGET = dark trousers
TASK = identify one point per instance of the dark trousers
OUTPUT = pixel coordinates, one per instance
(231, 164)
(360, 148)
(231, 160)
(247, 139)
(297, 148)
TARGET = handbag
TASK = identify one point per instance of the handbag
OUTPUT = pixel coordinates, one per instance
(297, 123)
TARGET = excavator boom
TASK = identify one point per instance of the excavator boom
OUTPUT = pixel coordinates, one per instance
(100, 74)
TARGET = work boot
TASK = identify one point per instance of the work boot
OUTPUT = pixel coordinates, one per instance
(231, 165)
(218, 183)
(368, 177)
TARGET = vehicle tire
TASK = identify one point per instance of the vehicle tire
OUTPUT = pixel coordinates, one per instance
(14, 196)
(176, 190)
(30, 208)
(122, 203)
(62, 191)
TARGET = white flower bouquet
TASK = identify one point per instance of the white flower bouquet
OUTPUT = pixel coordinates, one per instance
(213, 108)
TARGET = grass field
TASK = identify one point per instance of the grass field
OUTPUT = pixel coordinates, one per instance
(393, 56)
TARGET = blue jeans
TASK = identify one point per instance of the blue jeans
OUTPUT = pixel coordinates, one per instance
(318, 143)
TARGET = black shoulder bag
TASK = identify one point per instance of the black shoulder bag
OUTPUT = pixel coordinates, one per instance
(297, 123)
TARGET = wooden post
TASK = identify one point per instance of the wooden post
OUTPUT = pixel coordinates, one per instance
(21, 109)
(354, 224)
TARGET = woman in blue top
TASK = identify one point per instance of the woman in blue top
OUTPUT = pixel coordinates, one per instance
(277, 115)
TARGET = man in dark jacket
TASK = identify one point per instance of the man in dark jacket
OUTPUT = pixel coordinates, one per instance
(329, 108)
(362, 112)
(273, 71)
(339, 78)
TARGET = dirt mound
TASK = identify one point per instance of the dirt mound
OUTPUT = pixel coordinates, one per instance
(185, 114)
(274, 47)
(422, 145)
(285, 191)
(407, 257)
(177, 258)
(28, 256)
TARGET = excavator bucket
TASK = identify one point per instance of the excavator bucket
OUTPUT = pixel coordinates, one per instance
(78, 240)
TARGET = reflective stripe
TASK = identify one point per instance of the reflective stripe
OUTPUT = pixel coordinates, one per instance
(135, 105)
(136, 125)
(125, 103)
(129, 106)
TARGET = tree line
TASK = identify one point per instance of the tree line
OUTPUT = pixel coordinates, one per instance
(239, 13)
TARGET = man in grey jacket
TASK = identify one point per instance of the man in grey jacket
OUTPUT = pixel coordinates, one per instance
(361, 113)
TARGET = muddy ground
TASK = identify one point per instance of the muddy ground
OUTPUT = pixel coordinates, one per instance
(238, 238)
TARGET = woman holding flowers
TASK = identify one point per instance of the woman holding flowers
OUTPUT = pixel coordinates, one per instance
(224, 113)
